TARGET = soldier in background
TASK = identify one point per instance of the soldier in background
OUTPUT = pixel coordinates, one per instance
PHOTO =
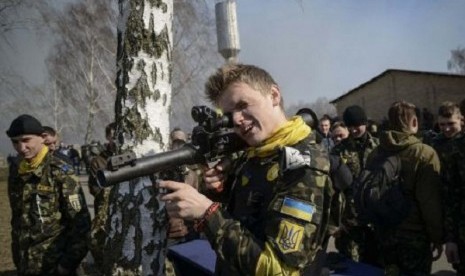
(450, 122)
(75, 159)
(89, 151)
(179, 230)
(451, 149)
(51, 141)
(339, 132)
(453, 172)
(324, 127)
(353, 240)
(51, 138)
(101, 197)
(49, 211)
(407, 248)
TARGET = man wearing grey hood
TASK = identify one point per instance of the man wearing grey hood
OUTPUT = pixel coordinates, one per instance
(408, 247)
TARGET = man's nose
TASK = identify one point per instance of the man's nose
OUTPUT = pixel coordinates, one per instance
(22, 147)
(237, 117)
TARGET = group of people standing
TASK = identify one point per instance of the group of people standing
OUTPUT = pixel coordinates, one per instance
(269, 209)
(432, 179)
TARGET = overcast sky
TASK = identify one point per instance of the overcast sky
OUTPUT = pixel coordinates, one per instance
(320, 48)
(324, 48)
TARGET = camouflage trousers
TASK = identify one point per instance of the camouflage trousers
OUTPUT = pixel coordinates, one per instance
(98, 232)
(169, 268)
(406, 253)
(359, 244)
(460, 267)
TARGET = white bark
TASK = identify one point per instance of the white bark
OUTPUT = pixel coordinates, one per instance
(137, 224)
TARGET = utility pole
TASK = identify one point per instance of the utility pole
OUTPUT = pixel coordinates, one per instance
(227, 30)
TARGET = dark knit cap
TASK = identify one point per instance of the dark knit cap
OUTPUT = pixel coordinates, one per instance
(24, 124)
(354, 116)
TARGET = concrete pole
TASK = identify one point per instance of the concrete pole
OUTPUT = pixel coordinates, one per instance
(227, 30)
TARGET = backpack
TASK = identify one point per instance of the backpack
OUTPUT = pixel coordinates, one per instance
(378, 196)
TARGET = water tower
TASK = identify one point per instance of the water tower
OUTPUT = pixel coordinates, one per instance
(226, 30)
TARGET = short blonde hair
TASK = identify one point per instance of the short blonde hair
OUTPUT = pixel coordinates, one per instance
(255, 77)
(449, 109)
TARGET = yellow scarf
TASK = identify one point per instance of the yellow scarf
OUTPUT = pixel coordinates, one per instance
(33, 164)
(288, 134)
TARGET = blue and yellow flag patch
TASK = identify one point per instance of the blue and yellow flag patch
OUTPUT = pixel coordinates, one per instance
(297, 209)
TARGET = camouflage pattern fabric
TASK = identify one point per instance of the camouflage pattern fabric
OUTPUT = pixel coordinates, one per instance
(50, 219)
(98, 234)
(354, 152)
(169, 268)
(354, 241)
(453, 174)
(101, 197)
(406, 253)
(259, 210)
(442, 145)
(406, 247)
(460, 267)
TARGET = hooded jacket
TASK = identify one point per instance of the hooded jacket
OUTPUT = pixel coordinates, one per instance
(420, 168)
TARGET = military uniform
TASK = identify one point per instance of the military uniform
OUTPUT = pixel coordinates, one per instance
(406, 248)
(355, 241)
(274, 212)
(50, 219)
(101, 203)
(454, 211)
(442, 145)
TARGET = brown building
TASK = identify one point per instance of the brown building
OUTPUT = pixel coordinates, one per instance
(424, 89)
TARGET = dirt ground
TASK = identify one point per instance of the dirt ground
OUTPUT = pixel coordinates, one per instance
(6, 262)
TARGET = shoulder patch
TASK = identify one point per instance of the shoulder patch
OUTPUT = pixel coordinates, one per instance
(44, 188)
(294, 159)
(75, 202)
(297, 209)
(290, 237)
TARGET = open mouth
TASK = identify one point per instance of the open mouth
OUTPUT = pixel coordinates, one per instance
(247, 129)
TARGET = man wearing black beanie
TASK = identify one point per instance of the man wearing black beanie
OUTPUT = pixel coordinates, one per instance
(356, 241)
(49, 212)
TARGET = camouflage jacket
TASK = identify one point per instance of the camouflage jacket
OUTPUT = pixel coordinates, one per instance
(442, 145)
(453, 176)
(275, 204)
(354, 153)
(50, 221)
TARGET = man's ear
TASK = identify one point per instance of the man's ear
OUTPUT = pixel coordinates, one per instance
(275, 95)
(414, 123)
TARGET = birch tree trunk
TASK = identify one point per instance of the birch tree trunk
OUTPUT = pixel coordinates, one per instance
(136, 227)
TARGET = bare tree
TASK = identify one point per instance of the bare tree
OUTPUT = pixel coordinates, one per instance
(136, 226)
(195, 57)
(53, 99)
(81, 62)
(456, 62)
(9, 17)
(320, 106)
